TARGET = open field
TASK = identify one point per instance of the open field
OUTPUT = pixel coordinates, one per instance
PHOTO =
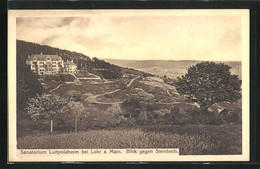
(190, 139)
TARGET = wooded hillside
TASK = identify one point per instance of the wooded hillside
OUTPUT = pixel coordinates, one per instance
(96, 66)
(27, 82)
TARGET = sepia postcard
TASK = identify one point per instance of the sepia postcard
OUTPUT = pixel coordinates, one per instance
(128, 85)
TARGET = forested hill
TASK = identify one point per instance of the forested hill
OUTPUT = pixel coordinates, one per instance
(28, 84)
(96, 66)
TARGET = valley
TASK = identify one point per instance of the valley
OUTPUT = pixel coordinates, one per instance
(170, 68)
(119, 104)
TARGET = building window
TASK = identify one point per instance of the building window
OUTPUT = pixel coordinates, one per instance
(41, 62)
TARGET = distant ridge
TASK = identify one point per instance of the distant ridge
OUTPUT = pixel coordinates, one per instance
(184, 60)
(170, 68)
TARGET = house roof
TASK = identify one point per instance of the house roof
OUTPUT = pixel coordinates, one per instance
(40, 57)
(218, 107)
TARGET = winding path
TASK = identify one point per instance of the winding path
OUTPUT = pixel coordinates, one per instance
(110, 103)
(82, 78)
(59, 86)
(131, 82)
(55, 88)
(128, 85)
(168, 92)
(85, 78)
(114, 91)
(159, 103)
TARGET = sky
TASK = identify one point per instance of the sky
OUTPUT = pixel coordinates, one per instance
(138, 37)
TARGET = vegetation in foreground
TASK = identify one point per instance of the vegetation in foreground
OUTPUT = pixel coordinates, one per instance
(224, 139)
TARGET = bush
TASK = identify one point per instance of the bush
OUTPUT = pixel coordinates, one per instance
(232, 116)
(89, 98)
(111, 117)
(147, 74)
(73, 95)
(144, 118)
(179, 116)
(185, 114)
(122, 85)
(77, 82)
(161, 115)
(131, 108)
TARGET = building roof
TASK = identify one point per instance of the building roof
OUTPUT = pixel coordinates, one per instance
(41, 57)
(69, 63)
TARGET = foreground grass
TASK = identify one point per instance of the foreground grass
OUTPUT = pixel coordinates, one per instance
(227, 139)
(191, 144)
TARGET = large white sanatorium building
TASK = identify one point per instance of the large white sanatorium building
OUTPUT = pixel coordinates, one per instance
(50, 64)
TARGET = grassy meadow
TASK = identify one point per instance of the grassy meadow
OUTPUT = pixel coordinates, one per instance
(191, 140)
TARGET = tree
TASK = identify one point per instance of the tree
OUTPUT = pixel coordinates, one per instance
(46, 107)
(207, 83)
(75, 109)
(111, 117)
(132, 107)
(27, 85)
(114, 114)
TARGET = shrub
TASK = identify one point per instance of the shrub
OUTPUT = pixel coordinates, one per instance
(122, 85)
(179, 116)
(161, 115)
(73, 95)
(111, 117)
(143, 118)
(77, 82)
(89, 98)
(131, 108)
